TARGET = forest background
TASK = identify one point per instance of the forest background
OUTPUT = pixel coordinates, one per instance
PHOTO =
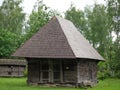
(100, 24)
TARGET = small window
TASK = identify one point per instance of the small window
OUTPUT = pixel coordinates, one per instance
(69, 65)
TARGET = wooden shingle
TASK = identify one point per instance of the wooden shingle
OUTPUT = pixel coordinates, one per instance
(59, 38)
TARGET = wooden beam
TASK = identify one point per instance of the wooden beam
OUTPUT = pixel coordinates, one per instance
(78, 72)
(61, 71)
(40, 72)
(50, 71)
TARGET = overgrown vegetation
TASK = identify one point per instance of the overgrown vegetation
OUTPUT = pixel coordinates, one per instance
(100, 24)
(11, 26)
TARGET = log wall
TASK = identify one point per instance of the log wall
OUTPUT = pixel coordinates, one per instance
(33, 72)
(87, 71)
(61, 71)
(12, 70)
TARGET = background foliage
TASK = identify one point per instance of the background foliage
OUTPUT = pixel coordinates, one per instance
(100, 24)
(11, 26)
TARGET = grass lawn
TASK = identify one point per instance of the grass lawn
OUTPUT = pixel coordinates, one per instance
(20, 84)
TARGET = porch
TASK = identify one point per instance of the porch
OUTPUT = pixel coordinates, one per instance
(41, 71)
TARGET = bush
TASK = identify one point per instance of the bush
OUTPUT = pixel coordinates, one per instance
(118, 74)
(103, 75)
(25, 72)
(102, 71)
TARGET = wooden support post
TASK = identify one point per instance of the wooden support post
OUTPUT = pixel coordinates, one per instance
(51, 71)
(61, 72)
(78, 73)
(40, 72)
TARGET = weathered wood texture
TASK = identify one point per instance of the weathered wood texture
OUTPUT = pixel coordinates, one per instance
(87, 70)
(59, 38)
(12, 68)
(70, 71)
(33, 72)
(50, 71)
(58, 53)
(44, 71)
(61, 71)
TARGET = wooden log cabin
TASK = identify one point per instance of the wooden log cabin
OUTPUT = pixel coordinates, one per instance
(12, 68)
(59, 54)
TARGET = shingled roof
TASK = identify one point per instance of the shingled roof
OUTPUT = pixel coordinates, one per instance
(59, 38)
(12, 62)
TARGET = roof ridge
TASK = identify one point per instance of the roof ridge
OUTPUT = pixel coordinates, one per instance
(66, 24)
(64, 34)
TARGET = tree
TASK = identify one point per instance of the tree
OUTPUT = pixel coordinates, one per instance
(113, 8)
(93, 22)
(38, 18)
(8, 43)
(78, 18)
(11, 26)
(12, 16)
(98, 29)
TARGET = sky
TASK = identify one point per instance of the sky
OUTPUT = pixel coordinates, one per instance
(59, 5)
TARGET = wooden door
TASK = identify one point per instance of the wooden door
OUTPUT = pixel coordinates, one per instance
(50, 71)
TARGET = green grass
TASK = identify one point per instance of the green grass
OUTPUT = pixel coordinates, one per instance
(20, 84)
(107, 84)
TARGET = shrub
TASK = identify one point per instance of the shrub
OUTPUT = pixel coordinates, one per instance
(25, 72)
(118, 74)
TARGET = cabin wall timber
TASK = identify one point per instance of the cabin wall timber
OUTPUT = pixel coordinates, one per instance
(51, 71)
(70, 71)
(87, 71)
(12, 68)
(59, 54)
(73, 71)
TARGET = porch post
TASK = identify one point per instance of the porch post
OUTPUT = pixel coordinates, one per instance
(51, 71)
(61, 71)
(78, 73)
